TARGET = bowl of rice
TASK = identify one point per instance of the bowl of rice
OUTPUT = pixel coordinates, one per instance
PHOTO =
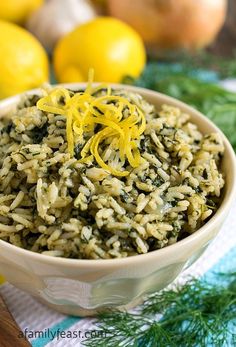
(107, 193)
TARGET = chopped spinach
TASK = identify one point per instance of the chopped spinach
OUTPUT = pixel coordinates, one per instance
(158, 181)
(7, 128)
(173, 203)
(124, 196)
(38, 133)
(152, 243)
(204, 174)
(77, 151)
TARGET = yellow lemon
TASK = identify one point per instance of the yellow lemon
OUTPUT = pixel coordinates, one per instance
(18, 10)
(1, 280)
(112, 48)
(24, 63)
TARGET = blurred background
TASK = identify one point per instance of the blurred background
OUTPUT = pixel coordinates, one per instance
(152, 43)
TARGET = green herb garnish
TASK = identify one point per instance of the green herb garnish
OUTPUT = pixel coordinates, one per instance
(198, 314)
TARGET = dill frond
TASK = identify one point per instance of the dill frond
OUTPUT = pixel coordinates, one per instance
(197, 314)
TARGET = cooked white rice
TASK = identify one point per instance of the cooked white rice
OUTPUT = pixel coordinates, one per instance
(52, 204)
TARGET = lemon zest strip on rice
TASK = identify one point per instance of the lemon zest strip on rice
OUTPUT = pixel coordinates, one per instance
(84, 111)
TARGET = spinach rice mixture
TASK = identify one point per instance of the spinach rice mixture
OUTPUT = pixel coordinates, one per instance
(101, 173)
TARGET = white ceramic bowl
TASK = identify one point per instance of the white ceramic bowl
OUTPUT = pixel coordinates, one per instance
(83, 287)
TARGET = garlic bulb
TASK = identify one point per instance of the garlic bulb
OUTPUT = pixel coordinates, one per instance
(58, 17)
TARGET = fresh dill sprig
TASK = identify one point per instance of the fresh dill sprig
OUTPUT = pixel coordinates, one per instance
(197, 314)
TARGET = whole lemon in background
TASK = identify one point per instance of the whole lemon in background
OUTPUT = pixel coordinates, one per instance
(106, 44)
(24, 63)
(18, 10)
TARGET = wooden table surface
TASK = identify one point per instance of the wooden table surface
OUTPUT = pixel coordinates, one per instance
(10, 334)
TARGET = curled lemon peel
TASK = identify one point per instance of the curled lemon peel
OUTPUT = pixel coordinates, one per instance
(118, 118)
